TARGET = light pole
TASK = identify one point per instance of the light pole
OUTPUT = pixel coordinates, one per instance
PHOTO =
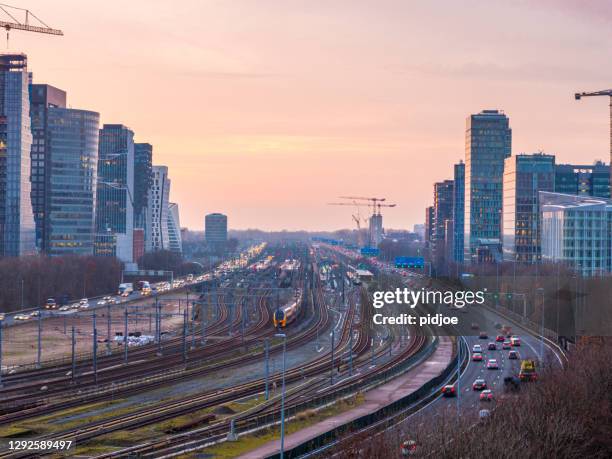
(541, 291)
(282, 441)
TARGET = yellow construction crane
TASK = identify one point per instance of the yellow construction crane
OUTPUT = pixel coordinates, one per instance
(605, 92)
(15, 13)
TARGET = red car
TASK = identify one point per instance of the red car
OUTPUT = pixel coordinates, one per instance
(486, 395)
(500, 338)
(449, 391)
(476, 357)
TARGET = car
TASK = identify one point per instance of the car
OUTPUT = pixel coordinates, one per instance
(477, 357)
(21, 317)
(497, 325)
(50, 304)
(500, 338)
(107, 298)
(492, 347)
(486, 395)
(83, 301)
(492, 364)
(483, 335)
(34, 313)
(64, 308)
(75, 306)
(101, 302)
(83, 305)
(1, 316)
(408, 448)
(477, 348)
(449, 391)
(479, 384)
(513, 355)
(506, 345)
(515, 340)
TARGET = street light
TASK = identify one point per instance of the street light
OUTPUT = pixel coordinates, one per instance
(282, 445)
(541, 291)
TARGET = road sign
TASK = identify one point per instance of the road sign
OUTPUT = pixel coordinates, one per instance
(369, 251)
(409, 262)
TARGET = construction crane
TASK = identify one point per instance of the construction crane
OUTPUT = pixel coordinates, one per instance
(373, 201)
(357, 218)
(605, 92)
(14, 13)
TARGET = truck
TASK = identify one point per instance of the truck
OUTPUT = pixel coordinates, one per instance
(528, 371)
(125, 289)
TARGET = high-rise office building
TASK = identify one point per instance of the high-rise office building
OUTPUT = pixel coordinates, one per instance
(71, 149)
(577, 231)
(115, 191)
(157, 215)
(488, 142)
(443, 210)
(143, 178)
(17, 227)
(458, 211)
(524, 176)
(215, 230)
(429, 225)
(174, 228)
(591, 180)
(42, 98)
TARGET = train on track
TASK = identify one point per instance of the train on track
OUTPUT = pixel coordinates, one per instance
(285, 315)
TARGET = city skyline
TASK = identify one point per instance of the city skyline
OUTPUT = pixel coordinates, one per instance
(263, 134)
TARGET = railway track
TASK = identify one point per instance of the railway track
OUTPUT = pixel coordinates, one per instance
(201, 437)
(189, 404)
(198, 365)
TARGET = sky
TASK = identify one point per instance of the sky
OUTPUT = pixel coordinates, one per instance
(266, 110)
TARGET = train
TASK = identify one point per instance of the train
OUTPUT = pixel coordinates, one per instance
(285, 315)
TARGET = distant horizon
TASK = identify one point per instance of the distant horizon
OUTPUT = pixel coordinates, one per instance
(270, 113)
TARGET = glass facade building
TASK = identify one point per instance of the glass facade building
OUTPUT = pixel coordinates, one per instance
(72, 159)
(115, 190)
(42, 98)
(577, 231)
(174, 228)
(524, 176)
(458, 211)
(157, 216)
(591, 180)
(143, 177)
(443, 211)
(17, 228)
(488, 142)
(215, 230)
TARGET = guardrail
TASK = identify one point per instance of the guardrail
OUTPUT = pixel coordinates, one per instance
(383, 414)
(359, 385)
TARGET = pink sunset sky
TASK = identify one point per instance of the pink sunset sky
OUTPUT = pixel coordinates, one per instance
(268, 109)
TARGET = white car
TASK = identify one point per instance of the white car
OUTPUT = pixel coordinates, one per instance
(64, 308)
(101, 302)
(75, 306)
(21, 317)
(477, 348)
